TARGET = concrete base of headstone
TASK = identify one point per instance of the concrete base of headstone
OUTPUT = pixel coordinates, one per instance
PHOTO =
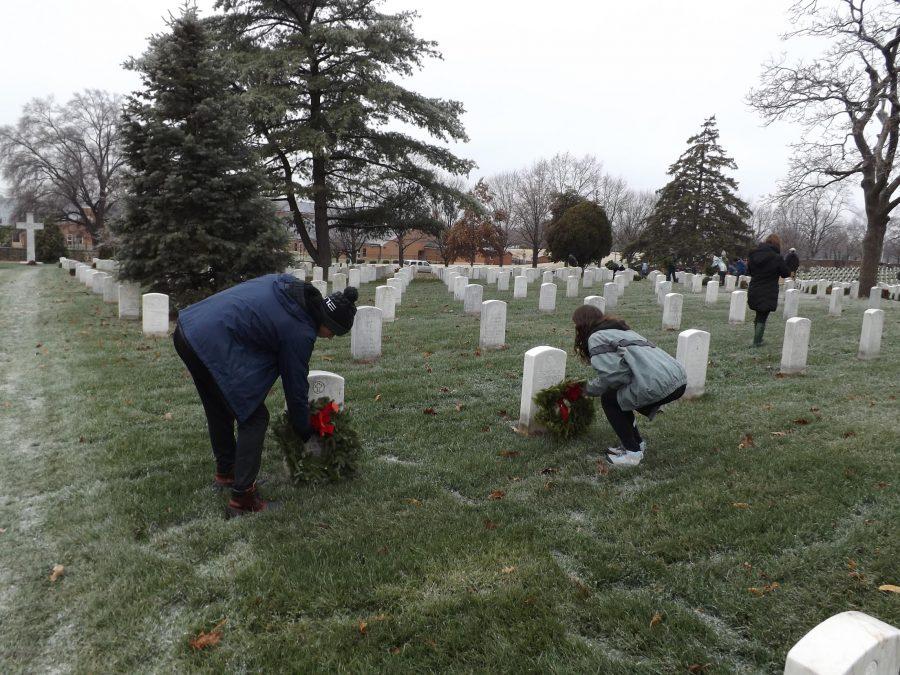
(850, 643)
(543, 367)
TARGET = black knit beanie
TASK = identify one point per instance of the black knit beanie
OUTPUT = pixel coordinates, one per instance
(339, 310)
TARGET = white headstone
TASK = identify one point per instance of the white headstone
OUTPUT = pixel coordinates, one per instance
(544, 367)
(835, 301)
(338, 282)
(88, 278)
(547, 299)
(155, 312)
(384, 300)
(324, 384)
(796, 345)
(30, 228)
(875, 297)
(587, 280)
(791, 303)
(737, 310)
(520, 288)
(712, 291)
(397, 285)
(459, 288)
(97, 282)
(672, 305)
(547, 277)
(493, 324)
(596, 301)
(611, 294)
(693, 355)
(365, 335)
(354, 278)
(854, 289)
(110, 290)
(730, 280)
(318, 274)
(503, 280)
(472, 299)
(821, 287)
(850, 643)
(665, 287)
(697, 283)
(572, 287)
(870, 337)
(789, 284)
(129, 300)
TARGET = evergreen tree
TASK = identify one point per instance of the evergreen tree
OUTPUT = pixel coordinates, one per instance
(50, 244)
(698, 212)
(327, 77)
(194, 220)
(583, 231)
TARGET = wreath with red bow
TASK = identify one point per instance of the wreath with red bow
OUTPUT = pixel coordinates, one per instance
(564, 410)
(332, 452)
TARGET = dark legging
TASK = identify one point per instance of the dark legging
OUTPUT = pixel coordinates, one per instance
(761, 317)
(243, 457)
(622, 421)
(721, 278)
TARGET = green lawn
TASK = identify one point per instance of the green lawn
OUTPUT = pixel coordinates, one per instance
(411, 567)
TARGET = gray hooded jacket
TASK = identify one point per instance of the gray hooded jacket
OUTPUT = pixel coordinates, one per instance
(638, 370)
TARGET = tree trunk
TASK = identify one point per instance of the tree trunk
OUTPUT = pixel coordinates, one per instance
(534, 255)
(320, 204)
(873, 244)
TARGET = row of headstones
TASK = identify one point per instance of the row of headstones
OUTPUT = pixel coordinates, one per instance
(825, 287)
(883, 274)
(365, 336)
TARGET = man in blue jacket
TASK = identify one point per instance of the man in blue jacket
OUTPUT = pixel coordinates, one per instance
(235, 344)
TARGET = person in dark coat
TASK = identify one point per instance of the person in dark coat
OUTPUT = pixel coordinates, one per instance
(766, 268)
(235, 344)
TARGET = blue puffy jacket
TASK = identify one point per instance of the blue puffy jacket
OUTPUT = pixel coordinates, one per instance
(250, 334)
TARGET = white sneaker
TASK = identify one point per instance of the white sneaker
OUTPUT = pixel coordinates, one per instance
(626, 459)
(620, 450)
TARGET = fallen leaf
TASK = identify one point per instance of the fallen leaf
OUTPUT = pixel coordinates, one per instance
(880, 485)
(767, 406)
(741, 505)
(497, 494)
(426, 354)
(445, 390)
(363, 627)
(377, 397)
(395, 650)
(889, 588)
(509, 453)
(746, 442)
(547, 470)
(549, 485)
(602, 467)
(801, 421)
(210, 639)
(459, 407)
(851, 564)
(167, 416)
(698, 667)
(508, 570)
(655, 619)
(768, 588)
(58, 571)
(848, 434)
(81, 439)
(328, 358)
(815, 409)
(39, 345)
(2, 530)
(413, 502)
(779, 434)
(488, 525)
(477, 352)
(485, 429)
(430, 411)
(382, 551)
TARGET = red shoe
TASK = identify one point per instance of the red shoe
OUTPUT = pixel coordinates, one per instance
(249, 502)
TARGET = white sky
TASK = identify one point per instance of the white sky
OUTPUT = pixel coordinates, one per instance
(626, 81)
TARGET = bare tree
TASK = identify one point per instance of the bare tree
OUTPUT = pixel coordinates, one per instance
(66, 157)
(818, 215)
(847, 100)
(536, 190)
(576, 174)
(765, 219)
(505, 190)
(631, 215)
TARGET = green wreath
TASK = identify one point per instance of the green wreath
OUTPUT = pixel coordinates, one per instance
(332, 452)
(564, 410)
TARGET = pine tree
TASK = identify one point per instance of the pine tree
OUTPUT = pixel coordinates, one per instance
(698, 212)
(582, 231)
(194, 220)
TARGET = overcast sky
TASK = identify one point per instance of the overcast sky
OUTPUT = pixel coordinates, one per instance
(625, 81)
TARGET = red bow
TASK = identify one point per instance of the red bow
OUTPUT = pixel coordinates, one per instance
(563, 410)
(573, 393)
(321, 421)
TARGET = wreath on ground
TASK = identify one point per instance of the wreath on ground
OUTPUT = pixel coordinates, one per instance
(332, 452)
(564, 410)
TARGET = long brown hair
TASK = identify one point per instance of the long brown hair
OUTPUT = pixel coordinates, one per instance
(588, 320)
(774, 240)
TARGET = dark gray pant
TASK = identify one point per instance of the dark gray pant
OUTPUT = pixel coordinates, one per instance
(622, 421)
(244, 456)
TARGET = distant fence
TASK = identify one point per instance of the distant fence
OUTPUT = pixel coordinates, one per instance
(7, 253)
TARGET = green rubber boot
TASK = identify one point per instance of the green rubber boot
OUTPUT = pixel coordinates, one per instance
(758, 330)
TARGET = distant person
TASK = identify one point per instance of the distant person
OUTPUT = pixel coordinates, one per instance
(235, 344)
(572, 261)
(632, 375)
(645, 269)
(670, 271)
(719, 262)
(766, 268)
(740, 267)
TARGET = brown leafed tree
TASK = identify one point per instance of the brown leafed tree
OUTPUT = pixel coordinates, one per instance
(847, 101)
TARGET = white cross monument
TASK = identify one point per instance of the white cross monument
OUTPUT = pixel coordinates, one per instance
(29, 226)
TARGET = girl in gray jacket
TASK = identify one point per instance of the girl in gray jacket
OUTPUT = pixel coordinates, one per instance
(632, 375)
